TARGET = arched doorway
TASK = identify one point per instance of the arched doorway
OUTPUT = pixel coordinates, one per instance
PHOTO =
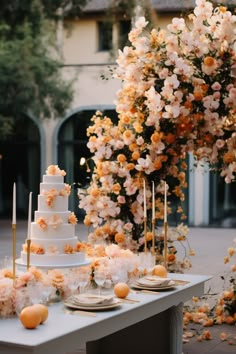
(222, 202)
(73, 154)
(20, 163)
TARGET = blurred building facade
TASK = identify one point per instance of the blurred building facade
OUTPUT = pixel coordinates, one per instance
(88, 47)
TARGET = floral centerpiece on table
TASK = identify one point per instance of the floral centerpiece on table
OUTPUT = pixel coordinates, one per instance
(178, 96)
(32, 286)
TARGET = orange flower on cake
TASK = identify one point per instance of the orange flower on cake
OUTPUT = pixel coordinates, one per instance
(68, 249)
(66, 191)
(50, 196)
(42, 222)
(54, 170)
(72, 219)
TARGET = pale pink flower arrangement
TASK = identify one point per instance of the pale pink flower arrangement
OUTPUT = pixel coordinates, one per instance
(6, 297)
(15, 293)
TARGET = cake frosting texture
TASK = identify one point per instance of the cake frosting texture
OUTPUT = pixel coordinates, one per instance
(52, 232)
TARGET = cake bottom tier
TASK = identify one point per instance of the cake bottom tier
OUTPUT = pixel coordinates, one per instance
(54, 260)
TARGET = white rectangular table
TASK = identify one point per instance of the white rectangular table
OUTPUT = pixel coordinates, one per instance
(152, 325)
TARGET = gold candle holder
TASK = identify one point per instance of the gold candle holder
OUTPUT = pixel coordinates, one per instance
(145, 235)
(165, 243)
(28, 253)
(14, 250)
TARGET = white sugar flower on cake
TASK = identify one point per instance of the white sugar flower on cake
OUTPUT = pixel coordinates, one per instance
(54, 170)
(55, 221)
(51, 249)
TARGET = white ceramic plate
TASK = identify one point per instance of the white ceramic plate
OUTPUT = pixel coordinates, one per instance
(155, 288)
(114, 304)
(76, 301)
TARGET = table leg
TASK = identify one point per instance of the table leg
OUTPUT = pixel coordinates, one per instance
(176, 329)
(158, 334)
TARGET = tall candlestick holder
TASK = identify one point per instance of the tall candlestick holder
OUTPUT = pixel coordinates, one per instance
(28, 253)
(14, 250)
(165, 243)
(145, 234)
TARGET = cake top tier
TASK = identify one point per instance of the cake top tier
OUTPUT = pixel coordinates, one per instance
(54, 170)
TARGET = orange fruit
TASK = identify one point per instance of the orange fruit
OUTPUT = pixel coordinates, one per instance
(160, 271)
(30, 317)
(121, 290)
(43, 310)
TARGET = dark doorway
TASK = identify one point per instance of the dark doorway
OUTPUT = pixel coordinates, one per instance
(222, 202)
(73, 154)
(19, 163)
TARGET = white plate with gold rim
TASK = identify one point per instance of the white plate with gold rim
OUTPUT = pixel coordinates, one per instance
(100, 307)
(155, 288)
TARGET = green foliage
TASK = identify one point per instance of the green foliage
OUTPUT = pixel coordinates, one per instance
(30, 72)
(16, 12)
(29, 77)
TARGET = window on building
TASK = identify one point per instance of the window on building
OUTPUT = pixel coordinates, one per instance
(124, 29)
(104, 36)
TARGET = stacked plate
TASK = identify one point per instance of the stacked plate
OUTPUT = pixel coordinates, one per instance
(152, 282)
(92, 302)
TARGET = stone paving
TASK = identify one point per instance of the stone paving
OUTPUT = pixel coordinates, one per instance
(210, 245)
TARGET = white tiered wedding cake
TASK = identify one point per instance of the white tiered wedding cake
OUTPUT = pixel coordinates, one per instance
(52, 234)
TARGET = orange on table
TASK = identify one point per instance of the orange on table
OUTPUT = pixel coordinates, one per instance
(43, 310)
(160, 271)
(30, 317)
(121, 290)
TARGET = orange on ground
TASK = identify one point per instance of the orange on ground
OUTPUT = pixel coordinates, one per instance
(30, 317)
(43, 310)
(121, 290)
(160, 271)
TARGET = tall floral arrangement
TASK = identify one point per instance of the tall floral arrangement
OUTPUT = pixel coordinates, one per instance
(178, 96)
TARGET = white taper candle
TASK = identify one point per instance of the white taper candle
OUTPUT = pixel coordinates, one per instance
(14, 205)
(165, 203)
(153, 201)
(29, 215)
(144, 200)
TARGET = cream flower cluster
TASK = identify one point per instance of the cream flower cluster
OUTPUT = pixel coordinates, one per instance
(178, 95)
(184, 79)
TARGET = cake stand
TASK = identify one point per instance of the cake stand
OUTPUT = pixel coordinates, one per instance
(20, 263)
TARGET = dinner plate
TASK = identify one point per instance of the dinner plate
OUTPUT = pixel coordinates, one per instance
(158, 288)
(76, 301)
(151, 284)
(114, 304)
